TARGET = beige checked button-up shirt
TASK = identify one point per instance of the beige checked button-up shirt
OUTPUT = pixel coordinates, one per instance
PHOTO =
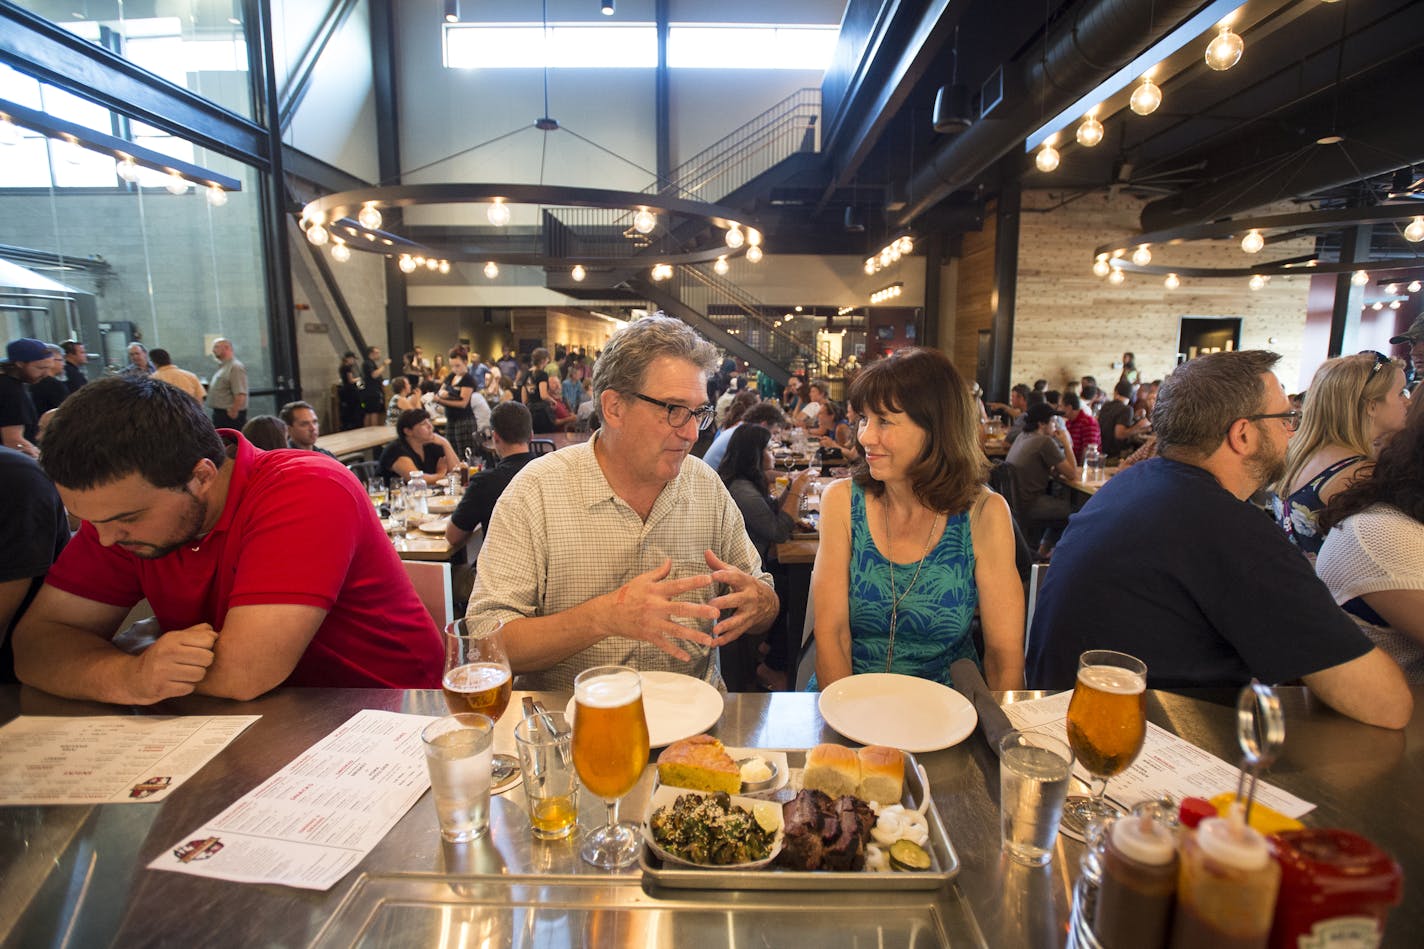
(559, 536)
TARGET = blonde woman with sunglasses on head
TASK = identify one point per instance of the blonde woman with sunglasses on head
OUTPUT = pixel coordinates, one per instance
(1354, 404)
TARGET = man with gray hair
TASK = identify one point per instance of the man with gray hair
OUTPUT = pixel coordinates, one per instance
(617, 551)
(1168, 561)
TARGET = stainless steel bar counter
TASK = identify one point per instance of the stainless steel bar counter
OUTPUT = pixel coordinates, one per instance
(76, 875)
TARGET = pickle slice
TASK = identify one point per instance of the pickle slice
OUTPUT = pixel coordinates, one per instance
(908, 855)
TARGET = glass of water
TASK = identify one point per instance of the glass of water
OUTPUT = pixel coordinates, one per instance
(1034, 771)
(458, 751)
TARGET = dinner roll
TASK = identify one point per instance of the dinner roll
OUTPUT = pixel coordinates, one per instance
(882, 774)
(832, 769)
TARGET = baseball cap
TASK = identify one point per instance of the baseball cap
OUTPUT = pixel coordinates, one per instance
(1414, 334)
(1040, 412)
(25, 349)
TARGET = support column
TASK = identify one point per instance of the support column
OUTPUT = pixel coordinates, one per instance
(281, 314)
(1006, 267)
(932, 247)
(663, 119)
(1354, 244)
(399, 338)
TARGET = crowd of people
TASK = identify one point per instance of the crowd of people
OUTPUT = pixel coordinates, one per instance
(624, 549)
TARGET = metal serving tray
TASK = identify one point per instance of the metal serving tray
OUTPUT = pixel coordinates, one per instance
(945, 868)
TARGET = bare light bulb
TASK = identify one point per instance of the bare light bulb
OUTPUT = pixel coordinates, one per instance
(1391, 289)
(1100, 267)
(498, 213)
(369, 217)
(176, 184)
(1142, 256)
(432, 264)
(444, 266)
(1253, 242)
(870, 267)
(217, 197)
(1415, 286)
(1047, 158)
(754, 254)
(340, 253)
(1090, 132)
(1359, 278)
(735, 238)
(644, 221)
(1414, 232)
(907, 245)
(127, 169)
(1146, 97)
(1394, 304)
(406, 263)
(1172, 282)
(753, 237)
(1225, 49)
(578, 273)
(1377, 306)
(317, 235)
(721, 266)
(1257, 282)
(491, 269)
(1116, 277)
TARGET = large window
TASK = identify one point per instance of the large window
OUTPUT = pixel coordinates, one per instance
(635, 46)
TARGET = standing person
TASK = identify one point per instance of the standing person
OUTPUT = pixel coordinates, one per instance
(74, 359)
(218, 537)
(509, 365)
(348, 392)
(178, 378)
(32, 535)
(918, 502)
(373, 384)
(303, 428)
(1129, 372)
(50, 390)
(454, 395)
(1353, 405)
(538, 393)
(138, 360)
(1169, 563)
(26, 361)
(227, 390)
(618, 550)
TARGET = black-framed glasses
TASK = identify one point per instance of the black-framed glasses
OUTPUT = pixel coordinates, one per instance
(1381, 360)
(1290, 419)
(680, 415)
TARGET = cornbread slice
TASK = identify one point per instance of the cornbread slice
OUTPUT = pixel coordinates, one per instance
(699, 763)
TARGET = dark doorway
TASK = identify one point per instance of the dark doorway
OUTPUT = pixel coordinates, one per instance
(1199, 335)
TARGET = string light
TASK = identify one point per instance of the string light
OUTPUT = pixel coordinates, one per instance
(498, 213)
(444, 266)
(317, 235)
(1100, 266)
(578, 273)
(1116, 277)
(369, 217)
(1414, 231)
(1391, 289)
(1394, 304)
(217, 197)
(754, 254)
(1257, 282)
(1225, 49)
(644, 221)
(1142, 256)
(1172, 282)
(1359, 278)
(870, 266)
(753, 237)
(734, 237)
(406, 262)
(340, 252)
(1377, 306)
(127, 169)
(662, 271)
(1090, 131)
(906, 245)
(491, 269)
(176, 184)
(1047, 158)
(1253, 242)
(1146, 97)
(1414, 286)
(721, 266)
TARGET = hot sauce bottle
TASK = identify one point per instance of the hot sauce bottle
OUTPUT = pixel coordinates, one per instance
(1336, 890)
(1139, 884)
(1226, 886)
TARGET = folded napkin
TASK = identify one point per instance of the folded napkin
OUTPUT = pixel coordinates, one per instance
(970, 683)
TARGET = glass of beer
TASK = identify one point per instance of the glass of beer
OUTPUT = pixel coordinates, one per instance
(1107, 722)
(477, 679)
(610, 752)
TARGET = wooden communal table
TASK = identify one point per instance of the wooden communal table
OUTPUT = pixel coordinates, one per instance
(77, 875)
(356, 442)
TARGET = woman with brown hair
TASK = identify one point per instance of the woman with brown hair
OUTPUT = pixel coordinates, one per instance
(915, 542)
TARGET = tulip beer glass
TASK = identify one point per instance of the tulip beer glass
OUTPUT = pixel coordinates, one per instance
(1107, 722)
(610, 752)
(477, 679)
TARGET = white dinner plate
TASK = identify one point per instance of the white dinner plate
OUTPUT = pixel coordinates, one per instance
(905, 712)
(436, 526)
(444, 504)
(676, 706)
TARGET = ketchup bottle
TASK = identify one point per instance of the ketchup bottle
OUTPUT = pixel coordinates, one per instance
(1336, 889)
(1226, 887)
(1139, 884)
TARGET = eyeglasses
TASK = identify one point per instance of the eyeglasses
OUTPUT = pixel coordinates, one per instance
(680, 415)
(1381, 360)
(1291, 419)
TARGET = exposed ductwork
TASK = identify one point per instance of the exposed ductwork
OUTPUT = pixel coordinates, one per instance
(1099, 38)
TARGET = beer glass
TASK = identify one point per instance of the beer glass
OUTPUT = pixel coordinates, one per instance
(610, 751)
(477, 679)
(1107, 722)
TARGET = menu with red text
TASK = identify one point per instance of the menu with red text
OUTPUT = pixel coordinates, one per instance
(107, 759)
(310, 823)
(1167, 764)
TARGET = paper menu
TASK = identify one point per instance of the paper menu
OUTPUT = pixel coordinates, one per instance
(312, 822)
(1167, 764)
(107, 759)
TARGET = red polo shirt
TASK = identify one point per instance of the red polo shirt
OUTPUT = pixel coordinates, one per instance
(296, 528)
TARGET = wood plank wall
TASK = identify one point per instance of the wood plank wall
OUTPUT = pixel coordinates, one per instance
(974, 295)
(1069, 322)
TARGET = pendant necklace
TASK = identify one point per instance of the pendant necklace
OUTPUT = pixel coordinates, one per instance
(895, 600)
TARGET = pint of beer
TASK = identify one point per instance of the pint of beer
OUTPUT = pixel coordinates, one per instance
(1107, 716)
(482, 687)
(610, 733)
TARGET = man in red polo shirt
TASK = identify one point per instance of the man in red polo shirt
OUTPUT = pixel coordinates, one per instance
(262, 568)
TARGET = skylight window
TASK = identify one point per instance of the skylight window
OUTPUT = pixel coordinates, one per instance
(715, 46)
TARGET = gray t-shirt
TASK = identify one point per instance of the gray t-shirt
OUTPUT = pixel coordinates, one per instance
(227, 384)
(1034, 456)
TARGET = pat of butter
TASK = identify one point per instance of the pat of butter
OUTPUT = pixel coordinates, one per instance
(755, 770)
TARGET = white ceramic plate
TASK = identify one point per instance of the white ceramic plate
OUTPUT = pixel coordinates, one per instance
(443, 504)
(436, 526)
(905, 712)
(666, 796)
(676, 706)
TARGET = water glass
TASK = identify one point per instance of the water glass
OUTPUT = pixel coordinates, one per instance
(458, 749)
(1034, 770)
(550, 780)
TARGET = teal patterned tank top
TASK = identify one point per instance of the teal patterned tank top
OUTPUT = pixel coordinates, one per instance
(932, 621)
